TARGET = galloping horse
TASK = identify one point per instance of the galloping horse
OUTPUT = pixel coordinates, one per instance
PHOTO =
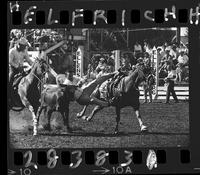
(27, 89)
(126, 93)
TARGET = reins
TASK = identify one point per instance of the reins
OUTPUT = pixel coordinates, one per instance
(40, 81)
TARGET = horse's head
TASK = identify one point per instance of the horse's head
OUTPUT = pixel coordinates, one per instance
(141, 76)
(40, 66)
(137, 76)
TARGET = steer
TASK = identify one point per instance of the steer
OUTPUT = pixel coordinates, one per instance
(55, 98)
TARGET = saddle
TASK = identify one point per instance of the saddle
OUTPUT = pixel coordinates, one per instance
(17, 79)
(115, 87)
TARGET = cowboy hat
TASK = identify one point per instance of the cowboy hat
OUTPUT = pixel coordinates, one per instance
(159, 48)
(23, 41)
(102, 59)
(167, 49)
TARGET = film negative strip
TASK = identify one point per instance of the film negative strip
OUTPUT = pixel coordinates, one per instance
(103, 87)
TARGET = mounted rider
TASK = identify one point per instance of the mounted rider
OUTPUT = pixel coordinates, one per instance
(17, 56)
(123, 70)
(101, 66)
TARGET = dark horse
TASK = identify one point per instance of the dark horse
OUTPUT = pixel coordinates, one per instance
(26, 89)
(126, 93)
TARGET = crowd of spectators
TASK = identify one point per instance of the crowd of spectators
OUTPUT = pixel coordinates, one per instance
(169, 55)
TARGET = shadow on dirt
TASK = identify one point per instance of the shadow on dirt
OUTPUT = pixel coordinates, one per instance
(101, 134)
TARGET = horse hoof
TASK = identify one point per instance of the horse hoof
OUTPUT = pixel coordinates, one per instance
(78, 115)
(144, 129)
(88, 119)
(116, 132)
(84, 117)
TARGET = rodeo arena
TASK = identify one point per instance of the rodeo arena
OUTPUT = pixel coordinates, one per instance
(93, 88)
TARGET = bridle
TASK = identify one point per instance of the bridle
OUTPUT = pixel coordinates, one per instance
(39, 79)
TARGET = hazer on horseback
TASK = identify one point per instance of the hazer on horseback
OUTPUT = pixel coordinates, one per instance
(17, 56)
(24, 87)
(125, 93)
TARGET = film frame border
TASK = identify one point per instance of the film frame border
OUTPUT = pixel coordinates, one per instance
(193, 50)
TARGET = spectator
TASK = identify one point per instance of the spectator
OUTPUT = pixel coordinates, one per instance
(183, 47)
(147, 59)
(183, 58)
(148, 84)
(163, 69)
(174, 54)
(145, 47)
(111, 63)
(101, 66)
(133, 67)
(168, 57)
(170, 85)
(89, 70)
(137, 50)
(159, 55)
(179, 72)
(165, 45)
(126, 66)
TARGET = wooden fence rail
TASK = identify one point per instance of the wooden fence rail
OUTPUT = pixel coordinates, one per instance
(182, 92)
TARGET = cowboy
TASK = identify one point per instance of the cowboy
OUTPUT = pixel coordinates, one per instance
(102, 65)
(123, 70)
(168, 57)
(147, 59)
(137, 50)
(148, 84)
(170, 85)
(160, 55)
(126, 66)
(183, 58)
(17, 56)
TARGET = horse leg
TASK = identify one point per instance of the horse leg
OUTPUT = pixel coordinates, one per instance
(117, 109)
(39, 113)
(81, 113)
(66, 122)
(49, 112)
(95, 110)
(142, 126)
(31, 109)
(65, 114)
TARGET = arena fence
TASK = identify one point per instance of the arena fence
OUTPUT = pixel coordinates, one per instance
(182, 92)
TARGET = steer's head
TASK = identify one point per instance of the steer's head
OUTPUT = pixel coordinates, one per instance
(69, 91)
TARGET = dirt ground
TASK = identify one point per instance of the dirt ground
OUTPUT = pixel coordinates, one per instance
(168, 126)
